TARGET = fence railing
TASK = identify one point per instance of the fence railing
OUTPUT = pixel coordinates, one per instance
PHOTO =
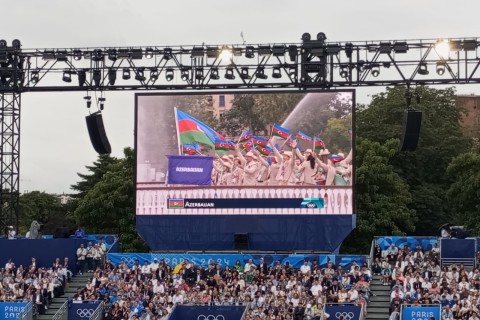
(98, 314)
(27, 313)
(62, 313)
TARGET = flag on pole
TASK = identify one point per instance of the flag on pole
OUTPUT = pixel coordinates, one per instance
(260, 141)
(192, 130)
(191, 149)
(265, 150)
(224, 145)
(248, 145)
(279, 131)
(290, 141)
(318, 143)
(303, 136)
(245, 136)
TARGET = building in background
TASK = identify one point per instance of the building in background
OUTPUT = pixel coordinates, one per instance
(470, 121)
(221, 103)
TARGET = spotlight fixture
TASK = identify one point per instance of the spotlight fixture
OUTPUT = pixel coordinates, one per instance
(375, 69)
(277, 72)
(197, 52)
(97, 77)
(440, 68)
(199, 73)
(185, 73)
(48, 55)
(61, 55)
(213, 52)
(423, 69)
(149, 53)
(153, 74)
(237, 52)
(244, 73)
(140, 74)
(278, 50)
(67, 76)
(112, 76)
(77, 55)
(126, 74)
(112, 54)
(264, 50)
(123, 54)
(88, 100)
(214, 73)
(169, 74)
(292, 73)
(101, 102)
(229, 73)
(306, 37)
(349, 49)
(97, 55)
(260, 73)
(292, 52)
(34, 77)
(249, 52)
(400, 47)
(385, 47)
(343, 71)
(167, 53)
(16, 44)
(136, 54)
(82, 77)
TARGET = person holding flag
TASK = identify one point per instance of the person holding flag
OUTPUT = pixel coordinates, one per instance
(262, 177)
(285, 174)
(250, 168)
(223, 167)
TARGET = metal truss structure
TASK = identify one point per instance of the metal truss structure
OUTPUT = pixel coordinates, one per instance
(311, 64)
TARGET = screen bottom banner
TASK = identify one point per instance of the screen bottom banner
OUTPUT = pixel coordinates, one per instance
(253, 203)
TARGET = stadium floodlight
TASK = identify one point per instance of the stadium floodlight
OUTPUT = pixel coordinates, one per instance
(423, 69)
(229, 73)
(67, 76)
(126, 74)
(169, 74)
(440, 68)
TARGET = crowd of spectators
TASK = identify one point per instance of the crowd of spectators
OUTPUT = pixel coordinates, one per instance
(280, 292)
(34, 283)
(416, 278)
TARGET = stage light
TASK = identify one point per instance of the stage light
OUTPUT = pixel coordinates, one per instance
(34, 77)
(112, 54)
(278, 50)
(249, 52)
(77, 55)
(440, 68)
(88, 101)
(126, 74)
(140, 74)
(375, 69)
(237, 52)
(422, 69)
(385, 47)
(169, 74)
(112, 76)
(97, 55)
(455, 45)
(344, 71)
(277, 72)
(306, 37)
(264, 51)
(442, 47)
(214, 73)
(292, 52)
(101, 102)
(136, 54)
(260, 73)
(212, 52)
(185, 73)
(226, 55)
(244, 73)
(229, 73)
(470, 45)
(123, 54)
(3, 57)
(153, 74)
(61, 55)
(321, 37)
(197, 52)
(149, 53)
(400, 47)
(97, 77)
(48, 55)
(292, 73)
(333, 49)
(16, 44)
(82, 77)
(199, 73)
(167, 53)
(67, 76)
(349, 49)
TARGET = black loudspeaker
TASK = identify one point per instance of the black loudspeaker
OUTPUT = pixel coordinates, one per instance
(411, 130)
(97, 134)
(241, 241)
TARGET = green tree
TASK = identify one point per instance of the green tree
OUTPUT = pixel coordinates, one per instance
(464, 193)
(382, 196)
(108, 207)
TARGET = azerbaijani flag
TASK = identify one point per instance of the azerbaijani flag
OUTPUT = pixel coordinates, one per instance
(318, 143)
(190, 149)
(303, 136)
(191, 130)
(280, 131)
(248, 145)
(290, 141)
(245, 136)
(260, 141)
(176, 203)
(265, 150)
(224, 145)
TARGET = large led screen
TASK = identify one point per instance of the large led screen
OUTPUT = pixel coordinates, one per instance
(237, 154)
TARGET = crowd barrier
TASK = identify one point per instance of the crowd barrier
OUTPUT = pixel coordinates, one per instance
(344, 311)
(182, 312)
(420, 312)
(295, 260)
(13, 310)
(427, 243)
(82, 311)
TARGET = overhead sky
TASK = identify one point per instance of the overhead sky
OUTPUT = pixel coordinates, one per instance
(54, 139)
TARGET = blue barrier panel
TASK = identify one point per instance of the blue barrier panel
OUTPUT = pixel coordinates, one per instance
(421, 312)
(183, 312)
(11, 310)
(343, 311)
(458, 248)
(81, 311)
(295, 260)
(427, 243)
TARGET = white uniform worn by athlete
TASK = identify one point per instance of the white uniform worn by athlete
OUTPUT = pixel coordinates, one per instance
(250, 168)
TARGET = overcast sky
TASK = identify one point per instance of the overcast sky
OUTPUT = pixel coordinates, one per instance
(54, 139)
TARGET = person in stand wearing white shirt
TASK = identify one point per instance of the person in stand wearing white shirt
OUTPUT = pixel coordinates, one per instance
(81, 256)
(305, 268)
(316, 287)
(177, 298)
(146, 269)
(249, 265)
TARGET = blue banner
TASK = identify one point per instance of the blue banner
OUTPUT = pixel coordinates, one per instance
(191, 170)
(81, 311)
(182, 312)
(343, 311)
(421, 313)
(295, 260)
(11, 310)
(427, 243)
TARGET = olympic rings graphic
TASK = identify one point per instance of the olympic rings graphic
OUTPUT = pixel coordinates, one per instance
(344, 315)
(211, 317)
(85, 313)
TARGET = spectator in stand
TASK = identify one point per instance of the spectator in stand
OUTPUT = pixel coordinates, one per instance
(81, 258)
(80, 233)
